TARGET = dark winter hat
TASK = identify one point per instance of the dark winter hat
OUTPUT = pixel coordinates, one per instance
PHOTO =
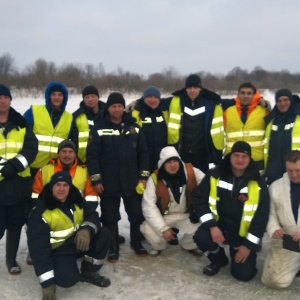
(60, 176)
(242, 147)
(56, 88)
(283, 92)
(151, 91)
(193, 81)
(115, 98)
(5, 91)
(66, 144)
(90, 90)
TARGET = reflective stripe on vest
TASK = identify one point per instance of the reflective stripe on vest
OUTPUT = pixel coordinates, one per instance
(48, 137)
(11, 146)
(252, 132)
(61, 226)
(174, 124)
(82, 124)
(250, 206)
(295, 136)
(140, 122)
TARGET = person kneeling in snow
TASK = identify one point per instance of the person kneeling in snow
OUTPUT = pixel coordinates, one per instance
(167, 202)
(61, 228)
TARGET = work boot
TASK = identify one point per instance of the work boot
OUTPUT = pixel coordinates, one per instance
(135, 243)
(121, 239)
(113, 252)
(95, 278)
(218, 260)
(29, 260)
(12, 246)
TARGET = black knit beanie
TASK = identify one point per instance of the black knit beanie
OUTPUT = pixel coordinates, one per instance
(193, 81)
(283, 92)
(242, 147)
(115, 98)
(60, 176)
(90, 90)
(66, 144)
(5, 91)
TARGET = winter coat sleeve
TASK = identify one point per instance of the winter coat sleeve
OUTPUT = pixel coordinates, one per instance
(259, 222)
(28, 153)
(150, 209)
(93, 154)
(143, 156)
(28, 115)
(201, 205)
(38, 235)
(91, 218)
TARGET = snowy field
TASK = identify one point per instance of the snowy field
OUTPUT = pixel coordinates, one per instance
(175, 274)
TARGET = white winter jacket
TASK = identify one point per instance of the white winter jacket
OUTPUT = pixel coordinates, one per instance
(149, 207)
(281, 214)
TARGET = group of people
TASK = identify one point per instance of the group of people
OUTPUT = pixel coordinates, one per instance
(192, 163)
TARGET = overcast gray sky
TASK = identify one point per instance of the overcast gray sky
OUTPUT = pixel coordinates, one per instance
(145, 37)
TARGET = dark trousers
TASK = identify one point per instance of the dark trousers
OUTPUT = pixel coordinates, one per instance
(65, 264)
(241, 271)
(198, 160)
(12, 217)
(110, 209)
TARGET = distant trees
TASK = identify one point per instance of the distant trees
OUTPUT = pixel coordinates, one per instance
(36, 77)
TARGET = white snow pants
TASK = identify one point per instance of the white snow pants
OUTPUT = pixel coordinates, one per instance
(280, 266)
(179, 221)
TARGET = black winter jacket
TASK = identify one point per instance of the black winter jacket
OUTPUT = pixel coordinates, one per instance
(229, 207)
(39, 234)
(120, 159)
(18, 188)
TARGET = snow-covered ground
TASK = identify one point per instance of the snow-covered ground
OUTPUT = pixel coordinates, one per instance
(175, 274)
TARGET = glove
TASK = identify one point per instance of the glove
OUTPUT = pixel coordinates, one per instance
(130, 107)
(140, 188)
(49, 292)
(82, 239)
(8, 171)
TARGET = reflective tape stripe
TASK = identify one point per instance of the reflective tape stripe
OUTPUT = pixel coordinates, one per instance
(175, 116)
(160, 119)
(225, 185)
(46, 276)
(147, 120)
(87, 223)
(206, 217)
(48, 149)
(248, 218)
(22, 160)
(252, 144)
(252, 238)
(194, 112)
(244, 190)
(7, 144)
(91, 198)
(49, 138)
(108, 132)
(82, 144)
(217, 120)
(90, 122)
(174, 125)
(212, 200)
(238, 134)
(83, 134)
(34, 195)
(289, 126)
(217, 130)
(61, 233)
(295, 140)
(250, 207)
(274, 127)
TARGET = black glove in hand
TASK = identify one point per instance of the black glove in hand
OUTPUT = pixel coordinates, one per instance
(49, 292)
(193, 218)
(82, 239)
(8, 171)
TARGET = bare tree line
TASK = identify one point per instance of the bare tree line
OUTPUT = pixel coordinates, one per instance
(36, 77)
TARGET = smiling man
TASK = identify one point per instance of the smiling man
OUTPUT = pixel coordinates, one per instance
(232, 204)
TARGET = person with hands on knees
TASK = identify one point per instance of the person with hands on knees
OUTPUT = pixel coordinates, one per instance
(62, 228)
(167, 202)
(18, 148)
(283, 259)
(232, 204)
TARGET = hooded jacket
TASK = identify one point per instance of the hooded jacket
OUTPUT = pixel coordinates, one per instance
(50, 125)
(231, 203)
(150, 207)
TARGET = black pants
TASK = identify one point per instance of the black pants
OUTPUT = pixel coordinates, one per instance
(12, 217)
(241, 271)
(65, 263)
(110, 209)
(198, 160)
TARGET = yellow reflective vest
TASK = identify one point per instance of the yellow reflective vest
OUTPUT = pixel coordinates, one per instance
(48, 136)
(11, 146)
(250, 206)
(295, 137)
(174, 124)
(61, 226)
(82, 124)
(252, 132)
